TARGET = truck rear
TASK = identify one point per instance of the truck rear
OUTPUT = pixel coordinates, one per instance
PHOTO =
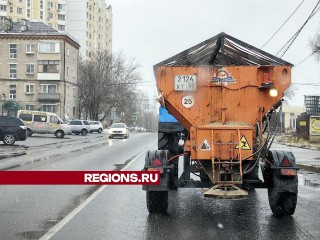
(217, 99)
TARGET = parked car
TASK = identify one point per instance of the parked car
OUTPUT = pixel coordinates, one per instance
(119, 130)
(12, 129)
(43, 122)
(79, 127)
(96, 126)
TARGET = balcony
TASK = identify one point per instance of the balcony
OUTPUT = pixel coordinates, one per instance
(49, 97)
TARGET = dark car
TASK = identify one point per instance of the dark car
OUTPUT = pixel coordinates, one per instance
(12, 129)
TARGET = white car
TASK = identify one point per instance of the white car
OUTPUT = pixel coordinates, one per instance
(119, 130)
(96, 126)
(79, 127)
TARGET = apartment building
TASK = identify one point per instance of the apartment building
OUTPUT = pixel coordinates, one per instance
(89, 21)
(38, 68)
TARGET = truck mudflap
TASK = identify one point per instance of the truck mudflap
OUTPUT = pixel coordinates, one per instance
(280, 171)
(157, 195)
(157, 161)
(280, 175)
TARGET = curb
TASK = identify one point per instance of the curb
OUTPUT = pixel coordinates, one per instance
(310, 168)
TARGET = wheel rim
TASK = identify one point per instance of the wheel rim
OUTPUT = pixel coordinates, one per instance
(9, 139)
(59, 134)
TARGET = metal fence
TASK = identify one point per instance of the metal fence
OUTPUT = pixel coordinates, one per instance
(312, 104)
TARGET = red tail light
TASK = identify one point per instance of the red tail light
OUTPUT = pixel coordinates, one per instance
(157, 162)
(288, 172)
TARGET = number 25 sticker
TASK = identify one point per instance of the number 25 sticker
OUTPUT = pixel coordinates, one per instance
(187, 101)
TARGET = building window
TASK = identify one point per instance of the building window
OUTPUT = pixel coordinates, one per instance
(49, 47)
(50, 5)
(48, 66)
(3, 8)
(29, 107)
(292, 121)
(19, 10)
(28, 13)
(11, 9)
(12, 91)
(41, 15)
(49, 108)
(13, 51)
(30, 69)
(50, 15)
(61, 27)
(28, 3)
(61, 17)
(67, 71)
(30, 48)
(41, 4)
(61, 7)
(49, 88)
(12, 71)
(29, 88)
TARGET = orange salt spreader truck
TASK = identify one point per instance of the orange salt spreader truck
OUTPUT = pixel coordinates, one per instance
(217, 99)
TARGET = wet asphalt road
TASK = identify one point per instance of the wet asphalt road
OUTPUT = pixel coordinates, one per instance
(119, 212)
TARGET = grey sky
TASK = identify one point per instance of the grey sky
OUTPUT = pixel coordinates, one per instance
(154, 30)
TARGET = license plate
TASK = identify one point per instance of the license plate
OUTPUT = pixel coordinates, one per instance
(185, 83)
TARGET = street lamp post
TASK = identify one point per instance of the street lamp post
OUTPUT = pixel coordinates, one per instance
(122, 116)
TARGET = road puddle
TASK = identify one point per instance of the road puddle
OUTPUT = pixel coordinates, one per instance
(310, 180)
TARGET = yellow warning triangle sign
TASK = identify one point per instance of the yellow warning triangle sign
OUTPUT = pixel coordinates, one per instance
(244, 144)
(205, 145)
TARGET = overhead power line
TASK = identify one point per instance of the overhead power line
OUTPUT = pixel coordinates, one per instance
(305, 59)
(288, 44)
(308, 84)
(282, 25)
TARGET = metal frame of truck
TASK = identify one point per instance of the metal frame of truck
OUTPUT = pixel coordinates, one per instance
(217, 101)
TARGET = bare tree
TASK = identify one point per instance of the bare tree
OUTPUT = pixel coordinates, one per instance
(290, 93)
(106, 81)
(315, 46)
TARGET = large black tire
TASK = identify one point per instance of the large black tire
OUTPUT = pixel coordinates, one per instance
(157, 201)
(168, 141)
(282, 203)
(9, 139)
(282, 190)
(100, 130)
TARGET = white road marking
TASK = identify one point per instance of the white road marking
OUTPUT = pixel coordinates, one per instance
(66, 219)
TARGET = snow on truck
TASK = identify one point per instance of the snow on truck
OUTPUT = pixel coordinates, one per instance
(217, 99)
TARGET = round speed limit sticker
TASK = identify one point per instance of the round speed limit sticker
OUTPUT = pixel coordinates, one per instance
(187, 101)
